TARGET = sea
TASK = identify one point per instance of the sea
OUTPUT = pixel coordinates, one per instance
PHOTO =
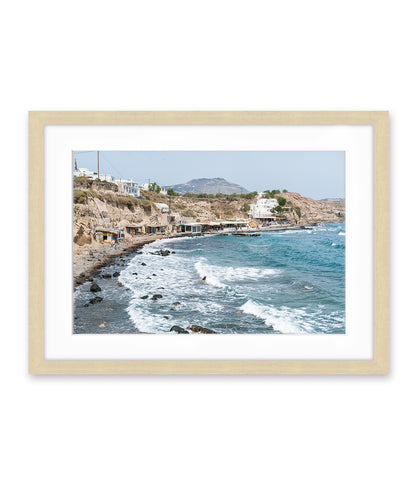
(286, 282)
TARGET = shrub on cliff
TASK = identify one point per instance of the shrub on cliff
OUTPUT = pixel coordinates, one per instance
(79, 197)
(83, 181)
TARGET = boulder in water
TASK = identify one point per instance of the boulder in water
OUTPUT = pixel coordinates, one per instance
(144, 297)
(156, 297)
(95, 288)
(96, 299)
(179, 330)
(116, 274)
(200, 329)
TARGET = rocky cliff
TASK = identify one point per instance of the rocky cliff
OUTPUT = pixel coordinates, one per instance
(100, 205)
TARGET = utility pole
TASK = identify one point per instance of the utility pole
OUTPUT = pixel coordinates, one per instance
(98, 164)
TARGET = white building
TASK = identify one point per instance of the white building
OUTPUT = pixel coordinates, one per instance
(129, 187)
(84, 172)
(145, 187)
(263, 207)
(107, 178)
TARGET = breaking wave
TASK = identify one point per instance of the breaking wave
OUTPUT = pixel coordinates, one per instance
(283, 320)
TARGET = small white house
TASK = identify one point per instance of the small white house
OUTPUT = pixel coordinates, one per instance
(129, 187)
(84, 172)
(146, 186)
(107, 178)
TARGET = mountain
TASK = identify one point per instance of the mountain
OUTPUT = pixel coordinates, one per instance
(208, 186)
(333, 200)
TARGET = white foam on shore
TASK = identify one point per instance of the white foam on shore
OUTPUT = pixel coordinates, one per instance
(215, 274)
(283, 320)
(175, 279)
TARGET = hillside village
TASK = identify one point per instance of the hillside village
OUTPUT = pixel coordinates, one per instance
(112, 213)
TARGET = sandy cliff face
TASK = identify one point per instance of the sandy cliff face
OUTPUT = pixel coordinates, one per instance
(112, 211)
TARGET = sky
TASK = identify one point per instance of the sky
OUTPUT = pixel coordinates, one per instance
(315, 174)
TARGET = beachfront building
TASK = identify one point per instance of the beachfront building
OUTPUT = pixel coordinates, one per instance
(190, 228)
(156, 229)
(135, 230)
(108, 234)
(224, 226)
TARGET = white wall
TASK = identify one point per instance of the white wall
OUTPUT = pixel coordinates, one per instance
(164, 437)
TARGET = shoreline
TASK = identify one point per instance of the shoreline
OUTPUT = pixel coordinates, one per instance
(88, 261)
(177, 308)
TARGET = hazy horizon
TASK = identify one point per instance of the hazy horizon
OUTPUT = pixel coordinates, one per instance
(315, 174)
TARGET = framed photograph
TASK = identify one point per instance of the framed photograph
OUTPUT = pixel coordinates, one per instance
(208, 242)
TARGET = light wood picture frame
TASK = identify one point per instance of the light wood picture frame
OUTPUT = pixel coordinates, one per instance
(379, 364)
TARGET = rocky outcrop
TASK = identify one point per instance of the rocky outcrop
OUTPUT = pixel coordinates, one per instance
(311, 210)
(95, 288)
(200, 329)
(96, 299)
(81, 237)
(179, 330)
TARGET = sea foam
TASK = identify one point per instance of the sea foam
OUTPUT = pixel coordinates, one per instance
(282, 320)
(219, 276)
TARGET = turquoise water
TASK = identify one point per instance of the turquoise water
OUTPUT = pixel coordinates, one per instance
(290, 282)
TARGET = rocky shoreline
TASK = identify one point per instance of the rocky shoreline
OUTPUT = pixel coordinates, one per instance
(102, 301)
(89, 261)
